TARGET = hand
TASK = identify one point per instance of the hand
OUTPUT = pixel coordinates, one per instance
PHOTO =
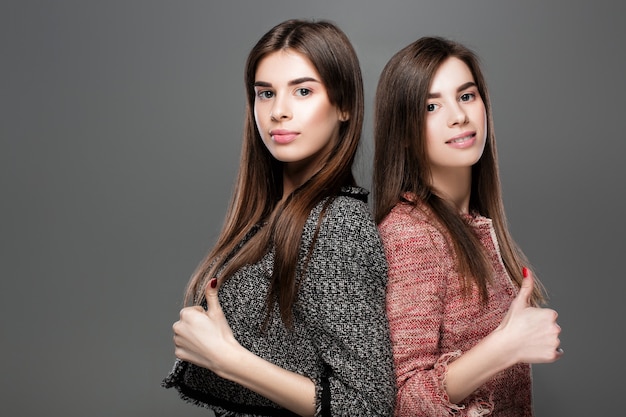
(204, 337)
(531, 333)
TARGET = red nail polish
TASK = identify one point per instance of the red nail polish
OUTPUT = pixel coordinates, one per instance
(525, 272)
(213, 283)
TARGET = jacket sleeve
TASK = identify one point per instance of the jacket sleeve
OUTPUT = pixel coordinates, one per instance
(420, 266)
(344, 308)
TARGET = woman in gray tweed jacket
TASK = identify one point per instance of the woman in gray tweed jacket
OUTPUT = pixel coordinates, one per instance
(286, 314)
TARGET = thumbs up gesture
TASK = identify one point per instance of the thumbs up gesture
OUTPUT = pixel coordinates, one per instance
(204, 337)
(532, 333)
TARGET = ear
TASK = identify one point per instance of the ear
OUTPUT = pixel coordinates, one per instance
(344, 116)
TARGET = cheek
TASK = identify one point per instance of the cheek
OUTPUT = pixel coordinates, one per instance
(480, 115)
(260, 121)
(483, 118)
(320, 112)
(485, 121)
(431, 144)
(432, 131)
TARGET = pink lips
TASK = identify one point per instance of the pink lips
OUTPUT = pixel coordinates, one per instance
(462, 141)
(283, 136)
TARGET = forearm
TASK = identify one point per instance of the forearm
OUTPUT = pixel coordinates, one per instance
(288, 389)
(476, 366)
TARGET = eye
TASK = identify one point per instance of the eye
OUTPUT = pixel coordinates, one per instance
(264, 94)
(468, 97)
(431, 107)
(303, 92)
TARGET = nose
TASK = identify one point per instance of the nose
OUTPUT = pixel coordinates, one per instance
(458, 116)
(280, 110)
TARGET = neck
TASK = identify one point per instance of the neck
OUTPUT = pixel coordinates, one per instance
(296, 174)
(454, 186)
(291, 182)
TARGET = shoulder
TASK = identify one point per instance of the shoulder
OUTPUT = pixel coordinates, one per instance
(412, 231)
(406, 219)
(345, 219)
(347, 208)
(351, 198)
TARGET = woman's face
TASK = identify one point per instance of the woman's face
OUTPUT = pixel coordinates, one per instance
(297, 122)
(456, 120)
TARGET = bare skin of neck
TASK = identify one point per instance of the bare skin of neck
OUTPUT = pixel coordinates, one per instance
(454, 186)
(297, 173)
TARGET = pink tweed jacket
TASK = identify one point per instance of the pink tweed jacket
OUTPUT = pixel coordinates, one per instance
(432, 323)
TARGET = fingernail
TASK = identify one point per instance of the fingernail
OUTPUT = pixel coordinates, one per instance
(525, 272)
(213, 283)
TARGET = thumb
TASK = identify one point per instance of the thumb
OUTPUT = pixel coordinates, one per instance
(526, 290)
(212, 301)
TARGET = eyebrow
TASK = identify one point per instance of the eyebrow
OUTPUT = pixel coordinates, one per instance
(292, 82)
(461, 88)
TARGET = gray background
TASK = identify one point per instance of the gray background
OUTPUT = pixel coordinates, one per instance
(120, 134)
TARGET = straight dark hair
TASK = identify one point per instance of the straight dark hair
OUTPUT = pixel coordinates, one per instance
(256, 198)
(401, 164)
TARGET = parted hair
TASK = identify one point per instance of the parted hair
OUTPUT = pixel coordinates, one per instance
(401, 164)
(257, 196)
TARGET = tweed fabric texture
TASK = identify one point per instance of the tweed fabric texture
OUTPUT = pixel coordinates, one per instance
(431, 323)
(340, 337)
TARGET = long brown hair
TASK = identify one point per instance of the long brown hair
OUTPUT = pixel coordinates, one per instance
(258, 190)
(401, 164)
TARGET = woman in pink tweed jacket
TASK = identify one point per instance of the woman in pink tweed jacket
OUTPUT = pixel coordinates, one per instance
(463, 306)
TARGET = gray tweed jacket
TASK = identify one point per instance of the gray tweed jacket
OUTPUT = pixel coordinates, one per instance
(340, 337)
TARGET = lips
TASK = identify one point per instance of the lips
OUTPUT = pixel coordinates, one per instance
(462, 138)
(462, 141)
(283, 136)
